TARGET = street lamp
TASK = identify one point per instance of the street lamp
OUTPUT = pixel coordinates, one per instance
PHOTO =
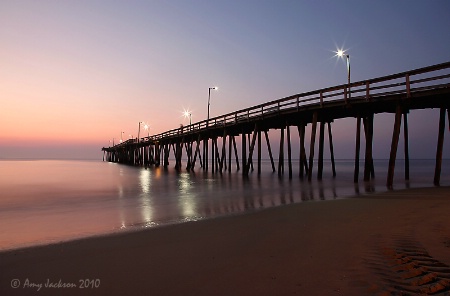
(121, 139)
(147, 128)
(209, 99)
(187, 114)
(341, 53)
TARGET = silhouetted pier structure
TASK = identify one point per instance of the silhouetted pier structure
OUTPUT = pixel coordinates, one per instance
(422, 88)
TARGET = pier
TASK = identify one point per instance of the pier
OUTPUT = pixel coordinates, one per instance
(211, 144)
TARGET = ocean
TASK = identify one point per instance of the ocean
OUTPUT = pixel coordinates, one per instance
(49, 201)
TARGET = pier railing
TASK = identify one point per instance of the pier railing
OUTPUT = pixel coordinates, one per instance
(404, 84)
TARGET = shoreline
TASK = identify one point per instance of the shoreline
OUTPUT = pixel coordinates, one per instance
(317, 248)
(155, 225)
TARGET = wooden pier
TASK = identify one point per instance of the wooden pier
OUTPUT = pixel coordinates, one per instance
(423, 88)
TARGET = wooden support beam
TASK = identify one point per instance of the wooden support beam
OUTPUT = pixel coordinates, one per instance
(303, 161)
(230, 143)
(259, 152)
(281, 154)
(213, 160)
(236, 154)
(223, 159)
(251, 148)
(288, 134)
(217, 159)
(448, 117)
(440, 146)
(187, 148)
(394, 145)
(330, 140)
(368, 163)
(197, 152)
(321, 144)
(250, 160)
(157, 154)
(244, 154)
(205, 153)
(270, 151)
(406, 140)
(358, 144)
(166, 154)
(179, 153)
(312, 144)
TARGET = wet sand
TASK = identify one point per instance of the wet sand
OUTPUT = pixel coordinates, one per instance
(378, 244)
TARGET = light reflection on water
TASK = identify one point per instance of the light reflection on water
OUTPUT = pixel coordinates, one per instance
(48, 201)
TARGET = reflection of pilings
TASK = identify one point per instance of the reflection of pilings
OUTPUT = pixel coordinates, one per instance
(440, 145)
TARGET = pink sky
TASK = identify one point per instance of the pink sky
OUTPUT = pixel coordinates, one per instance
(74, 74)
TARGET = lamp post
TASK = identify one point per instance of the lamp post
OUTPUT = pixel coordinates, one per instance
(121, 139)
(139, 131)
(209, 99)
(341, 53)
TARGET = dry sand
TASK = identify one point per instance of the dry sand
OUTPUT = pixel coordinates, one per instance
(381, 244)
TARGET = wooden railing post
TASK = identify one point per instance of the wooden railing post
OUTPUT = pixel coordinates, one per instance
(408, 87)
(345, 95)
(367, 91)
(321, 99)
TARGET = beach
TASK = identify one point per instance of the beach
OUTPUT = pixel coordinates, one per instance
(335, 247)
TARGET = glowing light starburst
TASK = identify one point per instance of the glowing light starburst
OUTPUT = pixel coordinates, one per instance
(341, 53)
(187, 114)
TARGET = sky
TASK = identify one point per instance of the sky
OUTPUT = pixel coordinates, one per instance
(75, 74)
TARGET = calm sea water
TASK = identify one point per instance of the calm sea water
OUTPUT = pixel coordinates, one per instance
(46, 201)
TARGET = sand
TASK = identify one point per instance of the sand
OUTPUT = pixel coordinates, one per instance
(380, 244)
